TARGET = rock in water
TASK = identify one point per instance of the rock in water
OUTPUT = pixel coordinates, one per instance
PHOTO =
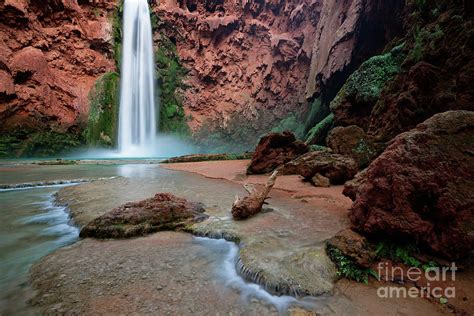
(420, 188)
(336, 168)
(275, 149)
(162, 212)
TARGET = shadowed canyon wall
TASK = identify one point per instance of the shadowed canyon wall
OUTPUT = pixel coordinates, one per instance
(230, 70)
(253, 65)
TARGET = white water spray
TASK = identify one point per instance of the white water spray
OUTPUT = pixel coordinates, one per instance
(138, 117)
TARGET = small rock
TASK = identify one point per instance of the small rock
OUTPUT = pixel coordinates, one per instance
(320, 181)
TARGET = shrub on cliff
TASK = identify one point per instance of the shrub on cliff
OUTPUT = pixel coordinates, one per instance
(170, 73)
(102, 126)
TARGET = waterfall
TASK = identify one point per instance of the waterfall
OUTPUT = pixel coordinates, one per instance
(137, 118)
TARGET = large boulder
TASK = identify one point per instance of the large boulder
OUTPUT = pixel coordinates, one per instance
(352, 141)
(354, 102)
(420, 189)
(437, 75)
(337, 168)
(275, 149)
(162, 212)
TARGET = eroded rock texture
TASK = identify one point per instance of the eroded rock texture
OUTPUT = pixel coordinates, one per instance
(164, 211)
(274, 150)
(251, 63)
(420, 188)
(248, 61)
(337, 168)
(51, 53)
(348, 33)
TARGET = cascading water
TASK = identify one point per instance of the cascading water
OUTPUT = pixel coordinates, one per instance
(138, 117)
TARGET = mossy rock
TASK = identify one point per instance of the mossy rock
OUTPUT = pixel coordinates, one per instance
(171, 74)
(117, 34)
(28, 143)
(318, 133)
(354, 102)
(102, 126)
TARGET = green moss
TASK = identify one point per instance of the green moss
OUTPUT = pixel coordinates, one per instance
(102, 125)
(425, 38)
(403, 253)
(27, 143)
(171, 74)
(317, 112)
(367, 82)
(318, 133)
(290, 123)
(117, 34)
(347, 268)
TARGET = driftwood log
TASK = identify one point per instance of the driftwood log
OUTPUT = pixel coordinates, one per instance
(253, 203)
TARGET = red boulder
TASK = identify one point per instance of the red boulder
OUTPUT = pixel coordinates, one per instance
(275, 149)
(420, 188)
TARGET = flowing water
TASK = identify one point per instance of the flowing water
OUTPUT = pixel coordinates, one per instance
(138, 117)
(34, 226)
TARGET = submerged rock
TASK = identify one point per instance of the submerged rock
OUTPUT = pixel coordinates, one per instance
(420, 188)
(337, 168)
(162, 212)
(274, 150)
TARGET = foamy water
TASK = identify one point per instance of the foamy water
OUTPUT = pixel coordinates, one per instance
(229, 274)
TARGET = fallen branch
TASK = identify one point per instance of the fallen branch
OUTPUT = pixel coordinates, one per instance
(253, 203)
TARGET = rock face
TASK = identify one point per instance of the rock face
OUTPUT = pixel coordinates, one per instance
(162, 212)
(353, 142)
(430, 73)
(274, 150)
(348, 33)
(50, 55)
(420, 188)
(248, 61)
(337, 168)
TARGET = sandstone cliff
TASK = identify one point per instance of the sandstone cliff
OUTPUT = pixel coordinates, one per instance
(51, 53)
(253, 65)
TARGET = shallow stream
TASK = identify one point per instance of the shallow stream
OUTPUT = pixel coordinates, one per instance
(34, 226)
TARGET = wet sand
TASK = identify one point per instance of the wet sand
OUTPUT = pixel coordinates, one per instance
(235, 170)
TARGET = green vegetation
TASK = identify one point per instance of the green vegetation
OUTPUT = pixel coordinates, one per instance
(171, 73)
(367, 82)
(318, 133)
(27, 143)
(102, 125)
(317, 112)
(290, 123)
(117, 34)
(425, 38)
(402, 253)
(347, 268)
